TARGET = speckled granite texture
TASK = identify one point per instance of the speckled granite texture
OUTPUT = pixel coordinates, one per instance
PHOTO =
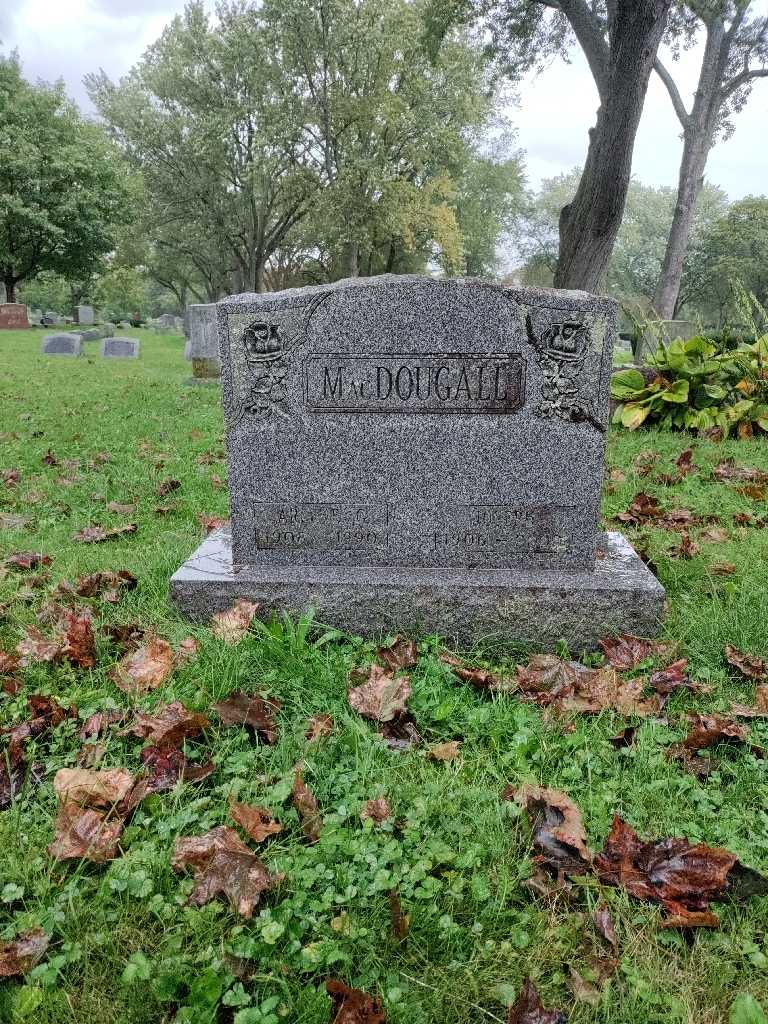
(499, 606)
(411, 453)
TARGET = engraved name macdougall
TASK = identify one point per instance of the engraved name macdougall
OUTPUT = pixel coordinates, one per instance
(475, 384)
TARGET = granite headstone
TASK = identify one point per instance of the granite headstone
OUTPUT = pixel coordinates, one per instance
(13, 316)
(65, 344)
(120, 348)
(412, 454)
(204, 341)
(84, 315)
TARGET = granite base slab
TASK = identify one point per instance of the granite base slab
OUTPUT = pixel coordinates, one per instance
(466, 607)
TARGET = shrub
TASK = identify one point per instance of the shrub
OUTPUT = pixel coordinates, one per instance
(699, 386)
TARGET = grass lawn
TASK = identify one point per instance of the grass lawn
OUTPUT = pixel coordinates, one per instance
(125, 947)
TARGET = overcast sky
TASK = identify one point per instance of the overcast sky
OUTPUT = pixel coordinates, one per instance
(68, 38)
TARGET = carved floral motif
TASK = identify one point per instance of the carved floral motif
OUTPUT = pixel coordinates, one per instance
(561, 349)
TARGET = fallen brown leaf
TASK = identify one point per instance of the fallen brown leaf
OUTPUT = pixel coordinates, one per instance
(188, 649)
(166, 487)
(722, 568)
(603, 922)
(754, 491)
(97, 534)
(568, 686)
(377, 810)
(92, 788)
(715, 535)
(673, 677)
(256, 821)
(124, 635)
(223, 865)
(748, 664)
(687, 548)
(559, 836)
(13, 771)
(728, 470)
(11, 521)
(382, 696)
(85, 834)
(38, 648)
(146, 668)
(319, 726)
(353, 1006)
(232, 624)
(445, 751)
(168, 725)
(211, 523)
(683, 877)
(250, 710)
(528, 1008)
(26, 560)
(79, 643)
(628, 651)
(480, 677)
(760, 709)
(401, 653)
(108, 585)
(164, 767)
(307, 807)
(120, 509)
(21, 955)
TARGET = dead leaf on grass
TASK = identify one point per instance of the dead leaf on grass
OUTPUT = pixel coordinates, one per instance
(728, 470)
(353, 1006)
(603, 922)
(166, 487)
(760, 709)
(445, 751)
(748, 664)
(377, 810)
(211, 523)
(382, 696)
(146, 668)
(164, 767)
(223, 865)
(250, 710)
(401, 653)
(319, 726)
(482, 678)
(559, 836)
(98, 534)
(232, 625)
(122, 509)
(722, 568)
(627, 651)
(35, 647)
(26, 560)
(21, 955)
(528, 1009)
(85, 834)
(92, 788)
(168, 725)
(307, 807)
(108, 585)
(256, 821)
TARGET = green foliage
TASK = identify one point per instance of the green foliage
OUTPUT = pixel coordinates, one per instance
(63, 187)
(699, 386)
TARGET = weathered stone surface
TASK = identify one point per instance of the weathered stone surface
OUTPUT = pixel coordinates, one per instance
(410, 421)
(84, 315)
(204, 340)
(500, 606)
(411, 453)
(13, 316)
(64, 344)
(120, 348)
(93, 334)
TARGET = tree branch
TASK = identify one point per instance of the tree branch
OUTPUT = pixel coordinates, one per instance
(743, 79)
(674, 93)
(588, 30)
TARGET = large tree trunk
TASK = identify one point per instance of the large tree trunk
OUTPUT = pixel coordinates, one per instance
(353, 254)
(10, 288)
(589, 224)
(695, 150)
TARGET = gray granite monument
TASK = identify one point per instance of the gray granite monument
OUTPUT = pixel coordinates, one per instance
(421, 455)
(203, 342)
(120, 348)
(84, 315)
(64, 344)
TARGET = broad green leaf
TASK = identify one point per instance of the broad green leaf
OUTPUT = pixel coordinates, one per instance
(746, 1010)
(633, 415)
(626, 384)
(676, 392)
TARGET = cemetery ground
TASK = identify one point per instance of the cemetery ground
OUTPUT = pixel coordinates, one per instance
(430, 908)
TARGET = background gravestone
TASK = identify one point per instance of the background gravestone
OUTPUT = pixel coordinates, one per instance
(84, 315)
(65, 344)
(92, 334)
(203, 341)
(120, 348)
(408, 453)
(13, 316)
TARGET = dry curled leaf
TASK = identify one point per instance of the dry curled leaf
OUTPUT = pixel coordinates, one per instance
(748, 664)
(728, 470)
(166, 487)
(98, 534)
(353, 1006)
(382, 696)
(319, 726)
(627, 651)
(528, 1009)
(377, 810)
(85, 834)
(21, 955)
(146, 668)
(164, 767)
(673, 677)
(482, 678)
(723, 568)
(559, 836)
(603, 922)
(79, 645)
(92, 788)
(568, 686)
(223, 865)
(256, 821)
(760, 708)
(35, 647)
(445, 751)
(232, 625)
(307, 807)
(682, 876)
(687, 548)
(26, 560)
(250, 710)
(401, 653)
(211, 523)
(108, 585)
(168, 725)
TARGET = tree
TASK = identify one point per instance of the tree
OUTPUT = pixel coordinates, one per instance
(63, 190)
(385, 123)
(205, 118)
(488, 205)
(635, 266)
(735, 54)
(620, 39)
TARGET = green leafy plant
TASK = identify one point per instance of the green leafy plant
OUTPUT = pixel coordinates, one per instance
(699, 386)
